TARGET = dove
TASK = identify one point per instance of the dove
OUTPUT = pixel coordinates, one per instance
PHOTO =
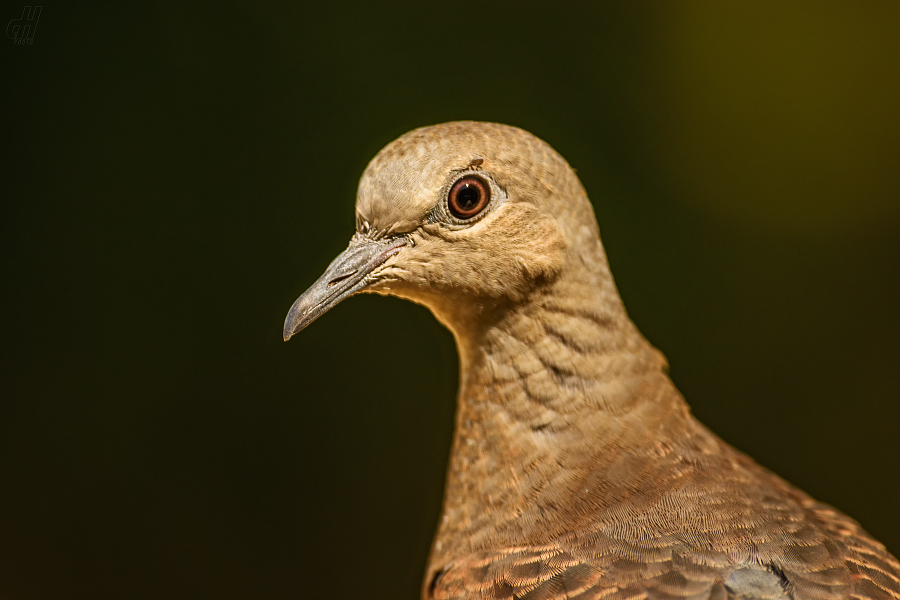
(577, 470)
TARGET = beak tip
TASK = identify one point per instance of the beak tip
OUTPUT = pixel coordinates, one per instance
(293, 322)
(290, 328)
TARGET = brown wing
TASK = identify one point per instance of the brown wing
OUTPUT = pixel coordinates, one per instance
(842, 563)
(553, 574)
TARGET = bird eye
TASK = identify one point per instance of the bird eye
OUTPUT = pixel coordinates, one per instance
(468, 197)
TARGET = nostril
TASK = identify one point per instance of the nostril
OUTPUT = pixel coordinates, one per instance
(339, 279)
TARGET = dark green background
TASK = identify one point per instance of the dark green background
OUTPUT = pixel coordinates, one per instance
(173, 177)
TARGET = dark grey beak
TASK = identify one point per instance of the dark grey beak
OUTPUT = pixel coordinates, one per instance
(344, 277)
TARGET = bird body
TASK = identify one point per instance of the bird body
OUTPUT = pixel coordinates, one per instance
(577, 469)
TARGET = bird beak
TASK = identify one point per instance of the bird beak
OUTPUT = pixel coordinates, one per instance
(347, 275)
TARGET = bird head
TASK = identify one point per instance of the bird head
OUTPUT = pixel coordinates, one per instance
(466, 218)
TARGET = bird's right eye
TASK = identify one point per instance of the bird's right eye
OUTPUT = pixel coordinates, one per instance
(468, 197)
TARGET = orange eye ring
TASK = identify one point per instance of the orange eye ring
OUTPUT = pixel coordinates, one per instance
(468, 197)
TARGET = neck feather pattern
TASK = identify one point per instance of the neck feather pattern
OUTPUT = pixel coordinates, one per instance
(560, 399)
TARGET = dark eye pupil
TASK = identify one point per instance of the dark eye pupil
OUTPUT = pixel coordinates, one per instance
(468, 197)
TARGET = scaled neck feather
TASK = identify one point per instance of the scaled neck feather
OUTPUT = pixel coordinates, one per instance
(556, 394)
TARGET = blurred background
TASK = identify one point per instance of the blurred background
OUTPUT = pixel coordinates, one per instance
(175, 176)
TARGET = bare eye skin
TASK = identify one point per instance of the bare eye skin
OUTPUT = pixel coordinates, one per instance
(468, 197)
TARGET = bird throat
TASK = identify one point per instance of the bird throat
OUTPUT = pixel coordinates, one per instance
(557, 395)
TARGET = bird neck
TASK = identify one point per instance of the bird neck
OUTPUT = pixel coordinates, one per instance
(554, 392)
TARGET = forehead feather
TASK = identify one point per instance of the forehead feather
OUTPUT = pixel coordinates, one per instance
(401, 184)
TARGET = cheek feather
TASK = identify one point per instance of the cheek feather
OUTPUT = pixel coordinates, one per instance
(506, 255)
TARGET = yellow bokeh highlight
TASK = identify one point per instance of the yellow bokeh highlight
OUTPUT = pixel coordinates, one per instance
(785, 114)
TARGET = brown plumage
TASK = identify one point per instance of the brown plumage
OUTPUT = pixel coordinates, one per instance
(577, 469)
